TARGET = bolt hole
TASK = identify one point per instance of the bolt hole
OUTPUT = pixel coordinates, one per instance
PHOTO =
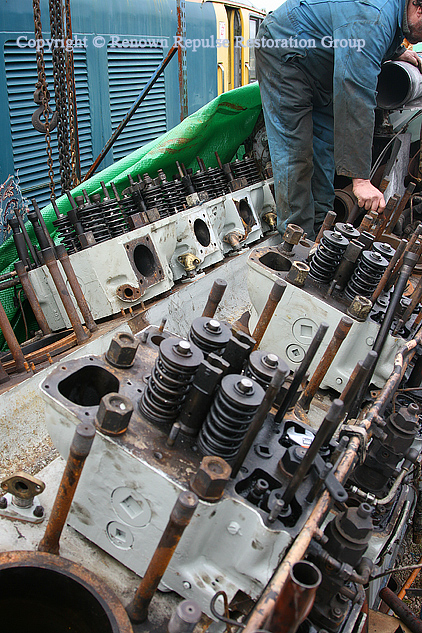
(158, 455)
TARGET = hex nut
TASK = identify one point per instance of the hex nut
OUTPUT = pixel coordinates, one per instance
(356, 523)
(360, 308)
(122, 350)
(292, 234)
(114, 413)
(298, 273)
(211, 478)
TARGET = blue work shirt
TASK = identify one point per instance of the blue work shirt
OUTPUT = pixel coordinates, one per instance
(347, 74)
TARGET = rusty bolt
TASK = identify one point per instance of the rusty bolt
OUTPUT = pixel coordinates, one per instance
(122, 350)
(114, 413)
(38, 512)
(211, 479)
(292, 234)
(360, 308)
(3, 503)
(298, 273)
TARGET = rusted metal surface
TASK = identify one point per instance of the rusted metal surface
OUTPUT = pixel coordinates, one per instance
(333, 346)
(329, 220)
(357, 376)
(79, 451)
(51, 262)
(400, 208)
(265, 604)
(216, 294)
(298, 273)
(359, 308)
(367, 222)
(11, 340)
(64, 259)
(401, 610)
(181, 59)
(274, 297)
(384, 279)
(27, 240)
(4, 376)
(10, 283)
(210, 480)
(416, 297)
(32, 297)
(409, 248)
(45, 575)
(296, 599)
(180, 517)
(128, 293)
(145, 262)
(384, 217)
(41, 355)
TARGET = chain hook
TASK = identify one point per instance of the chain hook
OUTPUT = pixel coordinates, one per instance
(36, 117)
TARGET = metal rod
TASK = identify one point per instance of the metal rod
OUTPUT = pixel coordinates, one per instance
(274, 297)
(19, 241)
(216, 294)
(64, 259)
(366, 223)
(32, 297)
(27, 240)
(329, 220)
(295, 600)
(357, 377)
(266, 602)
(384, 279)
(384, 217)
(79, 451)
(11, 340)
(63, 293)
(42, 223)
(131, 112)
(409, 248)
(323, 436)
(401, 610)
(333, 346)
(259, 418)
(416, 297)
(179, 519)
(410, 189)
(301, 371)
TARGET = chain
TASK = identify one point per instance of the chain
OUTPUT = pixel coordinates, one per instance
(42, 87)
(71, 94)
(59, 74)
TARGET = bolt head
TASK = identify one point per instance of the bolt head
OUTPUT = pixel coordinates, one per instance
(3, 503)
(245, 386)
(211, 478)
(122, 350)
(114, 413)
(38, 512)
(271, 360)
(183, 347)
(213, 326)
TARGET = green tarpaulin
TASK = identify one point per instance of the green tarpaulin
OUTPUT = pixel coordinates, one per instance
(222, 125)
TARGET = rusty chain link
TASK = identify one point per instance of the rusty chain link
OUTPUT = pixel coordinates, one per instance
(71, 94)
(42, 87)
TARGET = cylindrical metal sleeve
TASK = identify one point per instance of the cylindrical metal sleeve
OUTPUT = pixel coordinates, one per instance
(216, 294)
(401, 610)
(185, 618)
(27, 240)
(329, 220)
(42, 223)
(274, 297)
(64, 259)
(32, 297)
(11, 340)
(67, 302)
(180, 517)
(333, 346)
(79, 450)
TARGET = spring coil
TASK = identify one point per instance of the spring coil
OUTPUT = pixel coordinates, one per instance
(67, 234)
(384, 249)
(228, 420)
(262, 367)
(327, 256)
(370, 268)
(347, 230)
(170, 380)
(209, 335)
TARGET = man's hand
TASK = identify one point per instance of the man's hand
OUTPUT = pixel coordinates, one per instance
(412, 58)
(368, 196)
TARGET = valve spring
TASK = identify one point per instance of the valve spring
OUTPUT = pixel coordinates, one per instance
(92, 219)
(370, 268)
(384, 249)
(67, 234)
(231, 413)
(262, 367)
(209, 335)
(202, 181)
(153, 196)
(170, 380)
(113, 217)
(174, 196)
(327, 256)
(347, 230)
(246, 168)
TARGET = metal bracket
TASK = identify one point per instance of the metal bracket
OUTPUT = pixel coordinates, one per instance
(20, 500)
(333, 486)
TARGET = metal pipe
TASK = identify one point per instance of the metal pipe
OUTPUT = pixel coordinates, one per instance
(64, 259)
(274, 297)
(409, 190)
(329, 220)
(258, 420)
(399, 83)
(357, 377)
(265, 604)
(19, 241)
(29, 244)
(32, 297)
(322, 437)
(296, 599)
(301, 371)
(56, 275)
(216, 294)
(332, 348)
(131, 111)
(185, 617)
(79, 451)
(180, 517)
(42, 223)
(401, 610)
(11, 340)
(11, 283)
(387, 272)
